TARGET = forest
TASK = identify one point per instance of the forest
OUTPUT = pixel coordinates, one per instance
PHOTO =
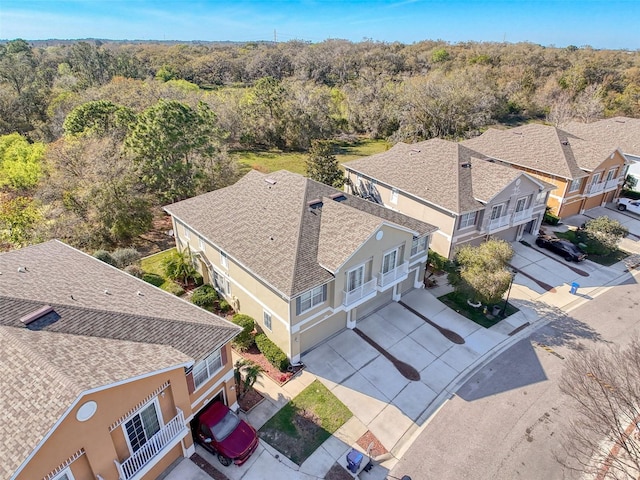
(95, 136)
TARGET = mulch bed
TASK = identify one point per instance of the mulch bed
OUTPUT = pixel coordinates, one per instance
(377, 449)
(250, 400)
(208, 468)
(338, 472)
(272, 372)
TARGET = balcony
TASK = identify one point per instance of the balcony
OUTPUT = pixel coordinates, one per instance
(390, 278)
(174, 430)
(611, 184)
(596, 188)
(522, 216)
(497, 223)
(360, 294)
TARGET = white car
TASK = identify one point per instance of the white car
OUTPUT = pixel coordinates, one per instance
(629, 204)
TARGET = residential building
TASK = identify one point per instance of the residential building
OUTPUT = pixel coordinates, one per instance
(446, 184)
(622, 132)
(586, 173)
(304, 259)
(101, 373)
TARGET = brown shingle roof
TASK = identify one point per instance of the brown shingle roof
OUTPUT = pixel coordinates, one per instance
(430, 170)
(617, 132)
(264, 222)
(542, 148)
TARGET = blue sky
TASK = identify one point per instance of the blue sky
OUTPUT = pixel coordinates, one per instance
(599, 23)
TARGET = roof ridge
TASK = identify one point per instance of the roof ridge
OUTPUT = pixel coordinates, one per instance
(296, 252)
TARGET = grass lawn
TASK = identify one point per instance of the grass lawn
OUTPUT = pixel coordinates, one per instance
(304, 423)
(274, 160)
(153, 264)
(606, 260)
(460, 305)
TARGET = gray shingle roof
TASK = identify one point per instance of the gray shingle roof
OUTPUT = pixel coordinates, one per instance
(430, 170)
(269, 228)
(617, 132)
(93, 339)
(542, 148)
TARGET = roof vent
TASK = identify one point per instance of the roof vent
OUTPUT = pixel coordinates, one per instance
(33, 316)
(270, 181)
(619, 121)
(465, 165)
(338, 197)
(565, 142)
(315, 203)
(106, 292)
(415, 150)
(22, 269)
(517, 133)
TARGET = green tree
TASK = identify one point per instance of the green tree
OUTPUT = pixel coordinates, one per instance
(98, 117)
(481, 273)
(20, 162)
(177, 149)
(322, 164)
(19, 218)
(263, 110)
(630, 182)
(246, 373)
(17, 65)
(602, 235)
(179, 266)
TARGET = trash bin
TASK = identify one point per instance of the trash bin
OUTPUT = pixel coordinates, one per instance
(354, 460)
(574, 288)
(495, 310)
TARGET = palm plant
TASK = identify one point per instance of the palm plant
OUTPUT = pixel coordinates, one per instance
(179, 266)
(246, 373)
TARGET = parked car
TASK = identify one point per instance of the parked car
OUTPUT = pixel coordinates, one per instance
(223, 433)
(629, 204)
(564, 248)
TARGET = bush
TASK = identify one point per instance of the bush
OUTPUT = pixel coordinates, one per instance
(437, 262)
(125, 257)
(204, 296)
(105, 257)
(224, 306)
(173, 287)
(153, 279)
(198, 280)
(630, 194)
(550, 218)
(245, 339)
(272, 352)
(134, 270)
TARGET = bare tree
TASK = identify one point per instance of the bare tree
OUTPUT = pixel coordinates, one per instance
(605, 388)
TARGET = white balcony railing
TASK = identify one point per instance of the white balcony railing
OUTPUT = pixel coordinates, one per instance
(499, 222)
(394, 276)
(522, 215)
(154, 445)
(359, 293)
(596, 187)
(612, 184)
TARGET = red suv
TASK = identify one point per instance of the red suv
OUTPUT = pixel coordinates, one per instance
(223, 433)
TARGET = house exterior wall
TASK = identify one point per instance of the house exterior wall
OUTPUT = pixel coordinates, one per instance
(222, 381)
(102, 446)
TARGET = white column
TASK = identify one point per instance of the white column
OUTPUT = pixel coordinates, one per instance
(396, 292)
(417, 283)
(351, 322)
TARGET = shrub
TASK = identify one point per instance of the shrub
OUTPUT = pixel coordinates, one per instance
(602, 235)
(134, 270)
(153, 279)
(105, 257)
(198, 280)
(550, 218)
(630, 194)
(125, 257)
(204, 296)
(437, 262)
(245, 339)
(224, 306)
(173, 287)
(272, 352)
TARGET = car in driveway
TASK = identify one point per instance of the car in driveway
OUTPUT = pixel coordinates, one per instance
(220, 430)
(564, 248)
(629, 204)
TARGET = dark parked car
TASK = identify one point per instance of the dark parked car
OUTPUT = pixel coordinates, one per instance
(223, 433)
(564, 248)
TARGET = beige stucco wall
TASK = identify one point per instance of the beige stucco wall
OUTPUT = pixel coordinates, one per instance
(101, 446)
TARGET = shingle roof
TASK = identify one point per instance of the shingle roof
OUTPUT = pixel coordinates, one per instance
(265, 223)
(542, 148)
(617, 132)
(430, 170)
(106, 326)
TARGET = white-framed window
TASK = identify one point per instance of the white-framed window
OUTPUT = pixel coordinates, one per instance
(542, 197)
(187, 233)
(142, 425)
(496, 211)
(266, 319)
(201, 244)
(391, 260)
(575, 185)
(595, 179)
(468, 219)
(355, 278)
(311, 298)
(207, 368)
(64, 475)
(521, 204)
(611, 174)
(419, 244)
(223, 259)
(221, 283)
(394, 195)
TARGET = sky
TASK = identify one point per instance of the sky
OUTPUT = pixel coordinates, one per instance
(597, 23)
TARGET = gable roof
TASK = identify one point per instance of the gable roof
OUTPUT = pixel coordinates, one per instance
(616, 132)
(541, 148)
(431, 170)
(266, 224)
(98, 313)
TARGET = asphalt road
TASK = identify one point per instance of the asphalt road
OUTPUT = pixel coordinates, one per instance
(507, 421)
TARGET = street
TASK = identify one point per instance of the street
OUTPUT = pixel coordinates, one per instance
(507, 421)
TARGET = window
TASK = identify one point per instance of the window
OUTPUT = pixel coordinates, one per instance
(201, 244)
(418, 245)
(223, 259)
(142, 426)
(64, 475)
(496, 211)
(310, 299)
(595, 179)
(575, 185)
(221, 283)
(542, 197)
(266, 317)
(611, 174)
(468, 219)
(521, 204)
(207, 368)
(355, 278)
(187, 233)
(394, 195)
(390, 261)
